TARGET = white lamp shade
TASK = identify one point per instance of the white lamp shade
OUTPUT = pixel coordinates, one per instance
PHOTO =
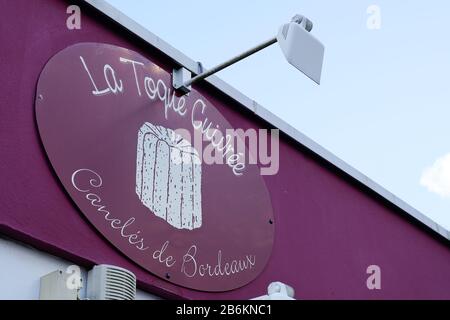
(302, 50)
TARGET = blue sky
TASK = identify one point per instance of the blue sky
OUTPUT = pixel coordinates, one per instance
(384, 102)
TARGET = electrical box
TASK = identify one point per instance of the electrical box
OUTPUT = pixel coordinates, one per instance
(56, 286)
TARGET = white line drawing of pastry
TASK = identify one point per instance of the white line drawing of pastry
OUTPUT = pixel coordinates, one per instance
(168, 176)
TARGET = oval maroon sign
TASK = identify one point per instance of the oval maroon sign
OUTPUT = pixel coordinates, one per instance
(131, 154)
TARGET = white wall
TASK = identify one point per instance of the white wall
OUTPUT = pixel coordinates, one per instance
(22, 266)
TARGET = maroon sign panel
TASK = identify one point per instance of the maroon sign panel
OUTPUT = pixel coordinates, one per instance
(131, 155)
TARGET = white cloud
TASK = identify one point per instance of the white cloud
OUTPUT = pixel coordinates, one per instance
(437, 177)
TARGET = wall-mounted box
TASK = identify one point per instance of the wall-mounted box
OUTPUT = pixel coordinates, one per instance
(56, 286)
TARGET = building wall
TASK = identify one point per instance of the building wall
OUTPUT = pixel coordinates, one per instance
(328, 228)
(22, 266)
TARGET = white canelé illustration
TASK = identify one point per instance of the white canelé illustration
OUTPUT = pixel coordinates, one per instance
(168, 176)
